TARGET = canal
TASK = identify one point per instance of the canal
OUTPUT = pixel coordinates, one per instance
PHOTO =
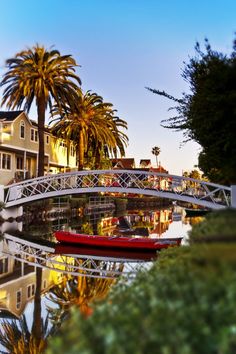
(40, 280)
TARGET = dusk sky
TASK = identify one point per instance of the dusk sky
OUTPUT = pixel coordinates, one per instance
(122, 47)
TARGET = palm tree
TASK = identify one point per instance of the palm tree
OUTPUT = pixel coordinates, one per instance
(41, 75)
(110, 147)
(156, 151)
(89, 122)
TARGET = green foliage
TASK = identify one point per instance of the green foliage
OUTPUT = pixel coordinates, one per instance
(208, 113)
(217, 226)
(42, 75)
(185, 304)
(92, 125)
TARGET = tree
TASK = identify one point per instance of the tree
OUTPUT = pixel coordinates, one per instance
(207, 114)
(90, 123)
(156, 151)
(41, 75)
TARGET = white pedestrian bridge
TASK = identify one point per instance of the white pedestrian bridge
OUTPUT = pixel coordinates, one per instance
(139, 182)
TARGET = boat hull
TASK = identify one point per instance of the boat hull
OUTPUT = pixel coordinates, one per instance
(69, 249)
(120, 242)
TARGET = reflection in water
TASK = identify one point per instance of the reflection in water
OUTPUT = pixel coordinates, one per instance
(40, 281)
(30, 270)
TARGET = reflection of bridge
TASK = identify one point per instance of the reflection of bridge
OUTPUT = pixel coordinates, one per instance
(77, 265)
(180, 188)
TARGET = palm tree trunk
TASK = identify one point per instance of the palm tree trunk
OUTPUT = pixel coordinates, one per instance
(81, 151)
(97, 157)
(41, 124)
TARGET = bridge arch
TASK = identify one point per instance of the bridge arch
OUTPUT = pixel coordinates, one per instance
(162, 185)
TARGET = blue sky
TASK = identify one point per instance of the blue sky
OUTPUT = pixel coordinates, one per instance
(123, 46)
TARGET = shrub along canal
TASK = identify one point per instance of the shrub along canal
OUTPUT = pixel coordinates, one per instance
(40, 282)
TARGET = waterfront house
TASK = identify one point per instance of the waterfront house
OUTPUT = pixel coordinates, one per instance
(19, 149)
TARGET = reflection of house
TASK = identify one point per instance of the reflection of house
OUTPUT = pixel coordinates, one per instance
(19, 149)
(161, 221)
(18, 284)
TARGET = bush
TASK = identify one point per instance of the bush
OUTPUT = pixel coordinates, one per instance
(218, 226)
(185, 304)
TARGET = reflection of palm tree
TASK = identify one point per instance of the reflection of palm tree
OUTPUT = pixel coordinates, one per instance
(80, 291)
(17, 339)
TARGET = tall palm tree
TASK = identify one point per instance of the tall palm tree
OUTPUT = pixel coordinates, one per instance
(41, 75)
(156, 151)
(89, 122)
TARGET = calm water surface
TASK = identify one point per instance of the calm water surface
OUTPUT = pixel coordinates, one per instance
(40, 281)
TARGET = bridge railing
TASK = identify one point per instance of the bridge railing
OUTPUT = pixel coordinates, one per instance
(91, 266)
(124, 181)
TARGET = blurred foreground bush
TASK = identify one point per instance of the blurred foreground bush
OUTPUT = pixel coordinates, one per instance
(218, 226)
(185, 304)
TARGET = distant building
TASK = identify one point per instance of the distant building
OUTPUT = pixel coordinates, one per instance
(145, 163)
(158, 169)
(123, 163)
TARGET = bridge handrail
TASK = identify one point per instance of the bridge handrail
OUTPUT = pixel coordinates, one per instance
(112, 172)
(125, 181)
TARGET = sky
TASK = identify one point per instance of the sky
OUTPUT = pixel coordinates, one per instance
(123, 46)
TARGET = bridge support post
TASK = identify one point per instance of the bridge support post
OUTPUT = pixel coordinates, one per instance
(1, 193)
(13, 212)
(233, 196)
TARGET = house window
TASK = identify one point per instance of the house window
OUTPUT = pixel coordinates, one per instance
(33, 135)
(72, 150)
(33, 290)
(30, 290)
(47, 139)
(18, 299)
(3, 265)
(19, 163)
(63, 144)
(22, 129)
(5, 161)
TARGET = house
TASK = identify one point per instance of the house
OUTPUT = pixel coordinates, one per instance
(123, 163)
(145, 163)
(19, 149)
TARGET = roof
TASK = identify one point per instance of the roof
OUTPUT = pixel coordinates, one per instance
(159, 169)
(145, 162)
(126, 163)
(10, 115)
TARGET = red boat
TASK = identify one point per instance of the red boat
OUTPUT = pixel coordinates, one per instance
(131, 243)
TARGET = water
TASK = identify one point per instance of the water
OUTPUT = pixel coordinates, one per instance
(32, 269)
